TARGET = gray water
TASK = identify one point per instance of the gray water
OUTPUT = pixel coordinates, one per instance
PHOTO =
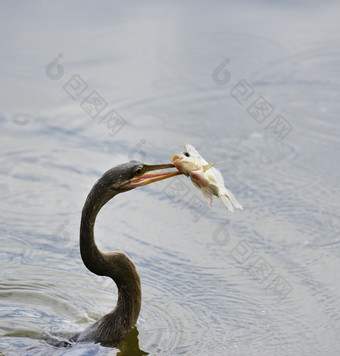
(254, 86)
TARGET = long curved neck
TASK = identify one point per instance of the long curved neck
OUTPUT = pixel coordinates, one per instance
(113, 326)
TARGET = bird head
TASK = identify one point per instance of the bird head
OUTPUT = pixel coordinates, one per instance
(135, 174)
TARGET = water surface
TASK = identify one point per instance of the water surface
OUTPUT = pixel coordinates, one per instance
(262, 281)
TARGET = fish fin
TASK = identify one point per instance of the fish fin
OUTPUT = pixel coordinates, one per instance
(208, 194)
(226, 202)
(208, 166)
(196, 184)
(231, 197)
(191, 148)
(218, 175)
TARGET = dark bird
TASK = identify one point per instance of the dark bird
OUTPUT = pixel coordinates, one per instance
(112, 327)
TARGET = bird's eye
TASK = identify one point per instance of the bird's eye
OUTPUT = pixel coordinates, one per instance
(186, 154)
(138, 171)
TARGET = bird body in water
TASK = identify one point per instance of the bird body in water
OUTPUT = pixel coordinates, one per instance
(112, 327)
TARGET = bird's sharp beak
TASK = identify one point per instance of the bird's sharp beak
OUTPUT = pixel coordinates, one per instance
(148, 177)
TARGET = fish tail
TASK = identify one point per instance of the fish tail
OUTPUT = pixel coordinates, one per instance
(230, 200)
(226, 202)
